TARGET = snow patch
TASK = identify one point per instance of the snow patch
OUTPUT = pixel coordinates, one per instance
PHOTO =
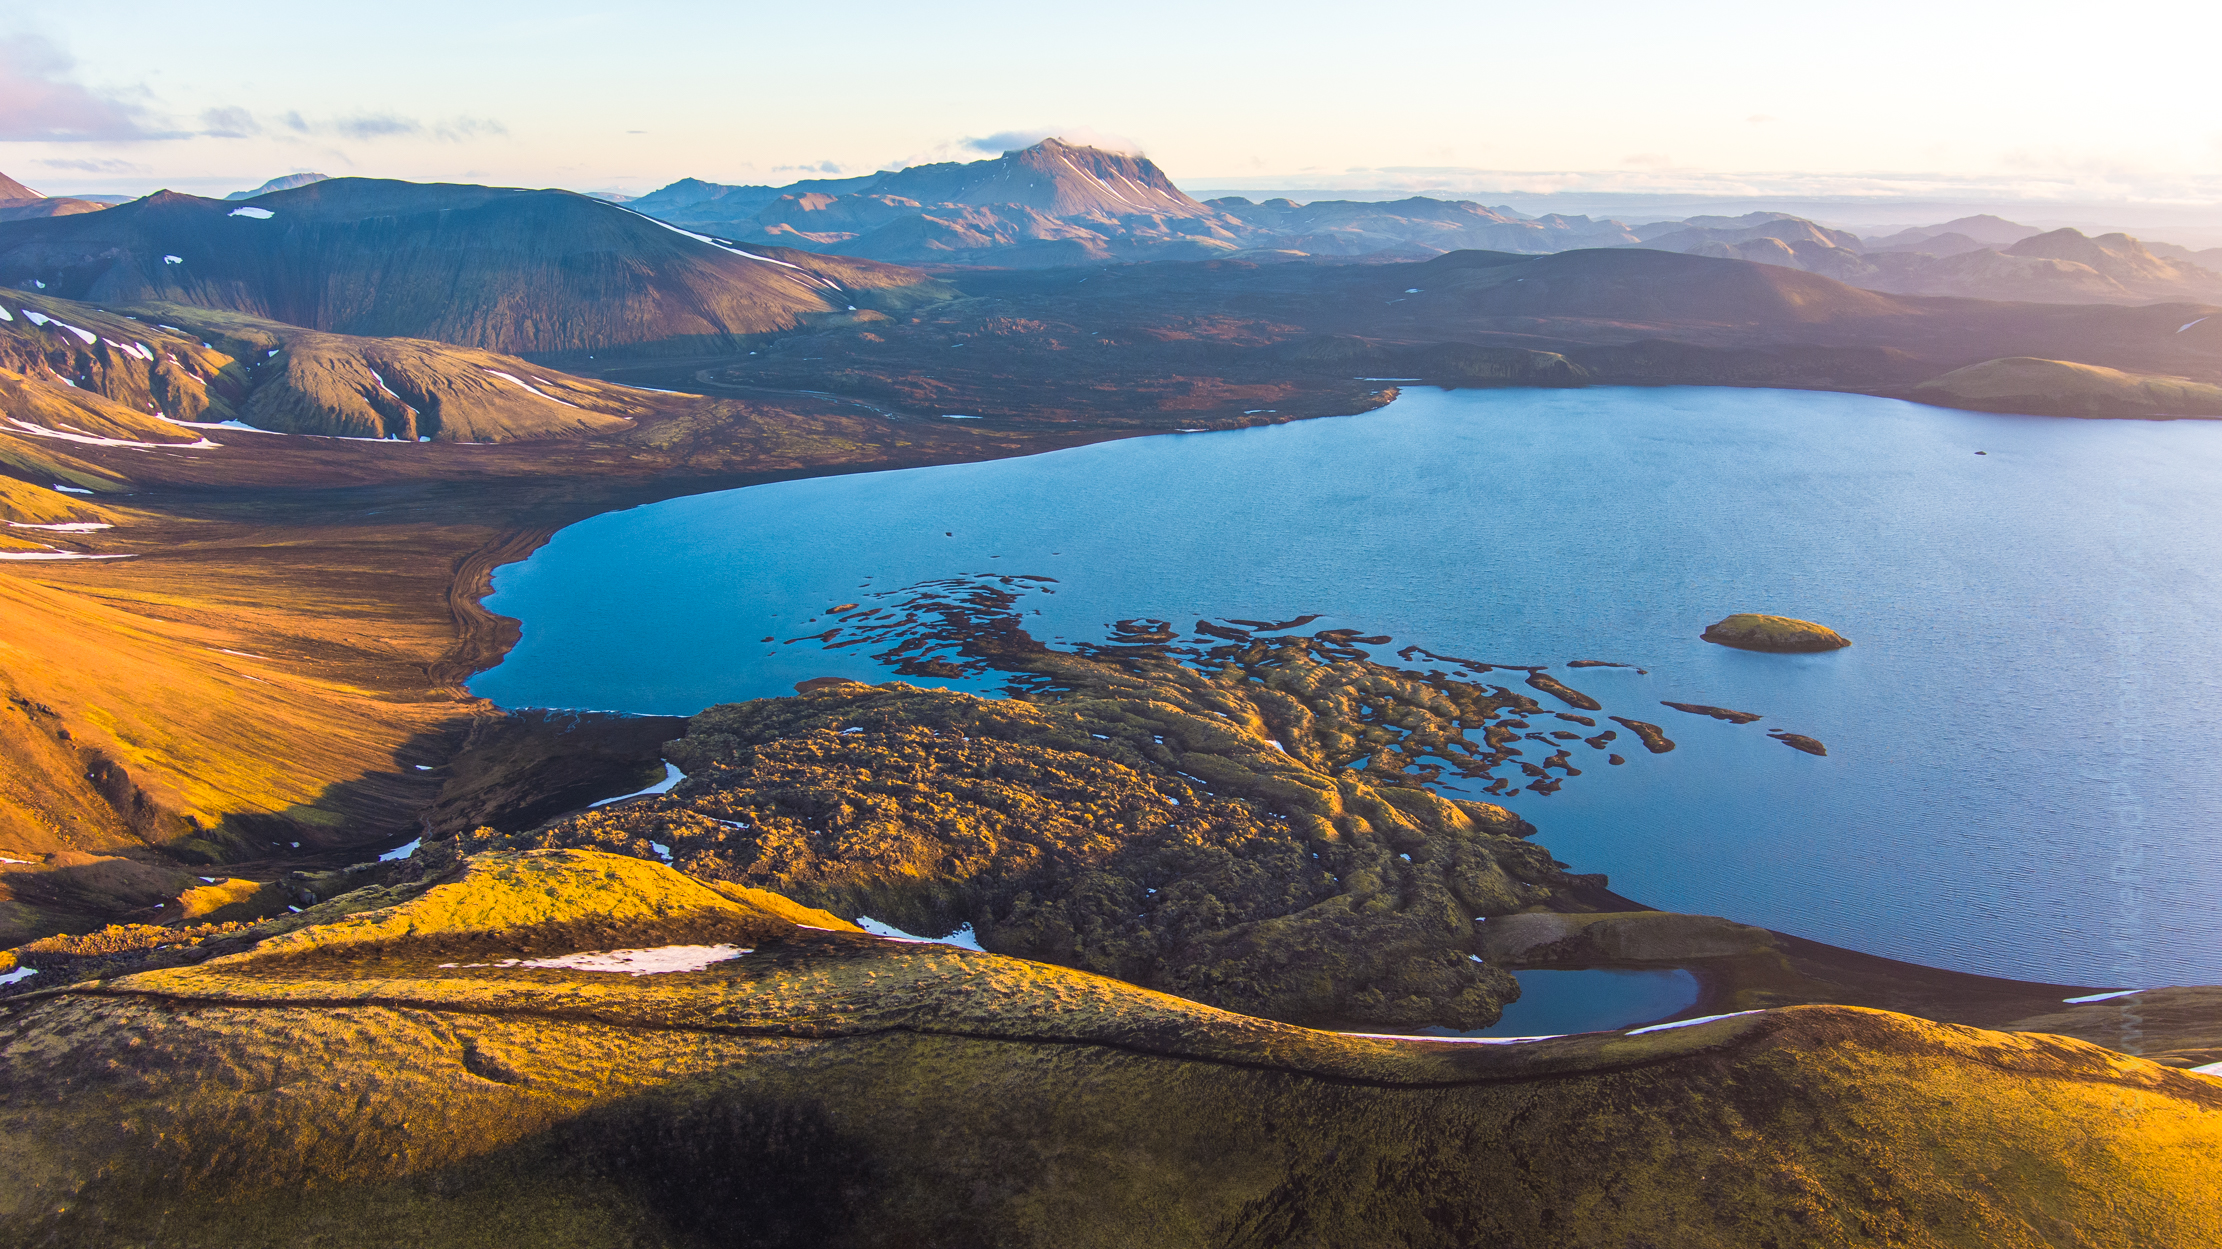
(644, 962)
(672, 776)
(2187, 325)
(18, 975)
(70, 489)
(253, 214)
(76, 526)
(1690, 1023)
(521, 382)
(41, 431)
(2211, 1069)
(173, 260)
(53, 554)
(1455, 1040)
(962, 938)
(401, 852)
(2100, 997)
(704, 238)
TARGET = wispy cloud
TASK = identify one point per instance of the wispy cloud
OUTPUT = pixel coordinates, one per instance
(41, 101)
(366, 127)
(230, 123)
(976, 147)
(824, 166)
(92, 165)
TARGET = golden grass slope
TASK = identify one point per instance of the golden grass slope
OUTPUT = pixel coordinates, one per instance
(378, 1075)
(2064, 388)
(87, 372)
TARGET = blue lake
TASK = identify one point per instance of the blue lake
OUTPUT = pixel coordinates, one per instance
(1554, 1003)
(2021, 774)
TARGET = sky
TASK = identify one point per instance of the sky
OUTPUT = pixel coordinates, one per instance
(2043, 103)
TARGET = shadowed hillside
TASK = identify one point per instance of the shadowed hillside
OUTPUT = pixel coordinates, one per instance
(505, 270)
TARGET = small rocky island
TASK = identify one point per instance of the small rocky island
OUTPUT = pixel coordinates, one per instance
(1753, 632)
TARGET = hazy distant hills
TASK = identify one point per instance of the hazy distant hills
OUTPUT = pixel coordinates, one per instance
(506, 270)
(1059, 204)
(18, 202)
(1977, 257)
(286, 183)
(1410, 229)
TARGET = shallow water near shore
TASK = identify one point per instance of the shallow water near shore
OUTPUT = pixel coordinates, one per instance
(2020, 778)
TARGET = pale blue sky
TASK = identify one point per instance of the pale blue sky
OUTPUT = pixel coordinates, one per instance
(2075, 102)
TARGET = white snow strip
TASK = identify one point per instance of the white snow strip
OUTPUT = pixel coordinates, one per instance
(2100, 997)
(173, 260)
(257, 214)
(647, 962)
(75, 526)
(962, 938)
(519, 381)
(36, 318)
(952, 416)
(5, 315)
(70, 489)
(2211, 1069)
(242, 654)
(1275, 744)
(1690, 1023)
(5, 859)
(672, 776)
(19, 974)
(133, 350)
(662, 851)
(704, 238)
(89, 337)
(401, 852)
(90, 441)
(2187, 325)
(1456, 1040)
(51, 554)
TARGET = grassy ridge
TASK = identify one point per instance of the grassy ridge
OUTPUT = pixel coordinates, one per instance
(375, 1075)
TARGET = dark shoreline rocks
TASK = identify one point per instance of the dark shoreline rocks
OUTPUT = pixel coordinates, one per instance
(1787, 635)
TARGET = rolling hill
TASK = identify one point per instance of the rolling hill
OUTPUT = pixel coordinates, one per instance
(504, 270)
(71, 371)
(445, 1058)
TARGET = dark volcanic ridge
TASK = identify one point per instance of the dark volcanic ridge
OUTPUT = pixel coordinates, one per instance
(502, 269)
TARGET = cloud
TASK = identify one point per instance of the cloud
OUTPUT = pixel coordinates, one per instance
(1079, 136)
(39, 101)
(382, 126)
(94, 165)
(230, 123)
(973, 148)
(824, 166)
(367, 127)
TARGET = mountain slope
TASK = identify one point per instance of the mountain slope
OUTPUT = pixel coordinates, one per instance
(505, 270)
(12, 189)
(286, 183)
(70, 370)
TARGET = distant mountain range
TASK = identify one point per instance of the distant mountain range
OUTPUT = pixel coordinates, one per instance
(286, 183)
(504, 270)
(1059, 204)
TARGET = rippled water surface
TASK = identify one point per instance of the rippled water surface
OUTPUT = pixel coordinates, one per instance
(2021, 773)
